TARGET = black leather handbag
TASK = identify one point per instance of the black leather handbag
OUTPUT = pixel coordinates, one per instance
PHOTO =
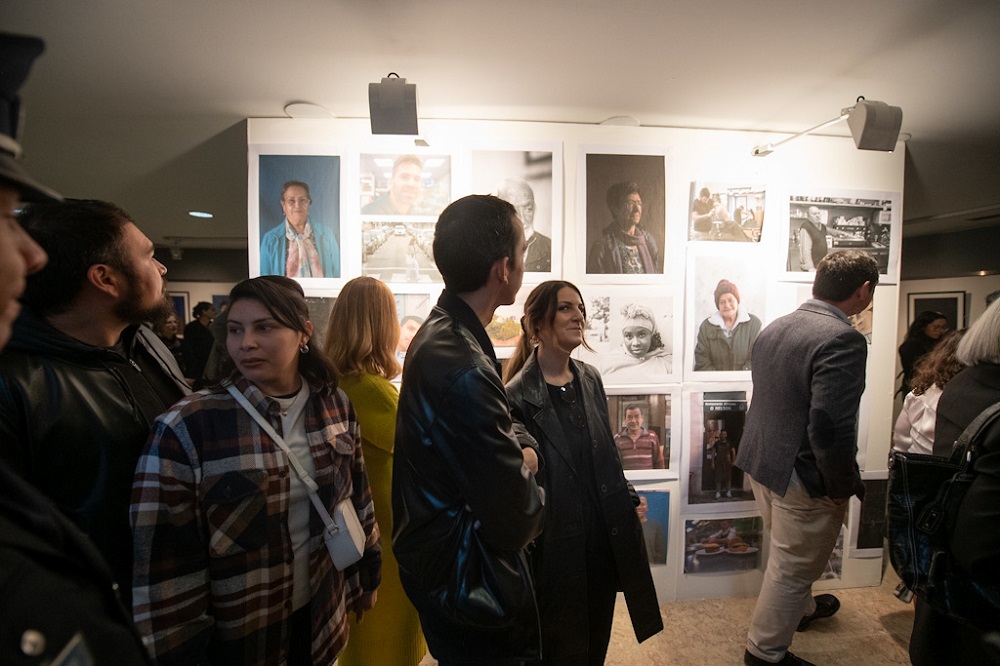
(925, 493)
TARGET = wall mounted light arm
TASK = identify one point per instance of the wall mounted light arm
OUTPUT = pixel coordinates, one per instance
(874, 126)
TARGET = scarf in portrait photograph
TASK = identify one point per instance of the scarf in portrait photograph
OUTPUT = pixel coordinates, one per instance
(303, 256)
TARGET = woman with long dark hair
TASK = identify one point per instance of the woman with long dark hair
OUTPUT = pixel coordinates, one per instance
(924, 333)
(592, 544)
(230, 562)
(361, 339)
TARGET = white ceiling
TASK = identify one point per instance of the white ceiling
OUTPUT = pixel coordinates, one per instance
(141, 101)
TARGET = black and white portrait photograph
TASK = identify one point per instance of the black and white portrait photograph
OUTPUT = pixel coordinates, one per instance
(531, 180)
(399, 251)
(398, 185)
(722, 545)
(632, 334)
(726, 212)
(298, 215)
(717, 418)
(654, 514)
(726, 304)
(642, 424)
(820, 224)
(624, 202)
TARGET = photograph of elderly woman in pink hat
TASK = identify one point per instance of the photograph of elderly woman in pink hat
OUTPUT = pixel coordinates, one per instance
(726, 336)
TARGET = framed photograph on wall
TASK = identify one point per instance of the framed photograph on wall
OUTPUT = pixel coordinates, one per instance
(646, 425)
(294, 212)
(827, 221)
(949, 303)
(531, 180)
(654, 514)
(726, 305)
(726, 212)
(624, 200)
(723, 545)
(634, 334)
(400, 186)
(715, 415)
(180, 301)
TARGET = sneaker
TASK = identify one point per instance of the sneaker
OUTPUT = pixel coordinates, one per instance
(729, 494)
(717, 494)
(826, 605)
(788, 660)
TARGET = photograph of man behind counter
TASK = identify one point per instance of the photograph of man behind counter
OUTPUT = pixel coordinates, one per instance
(820, 225)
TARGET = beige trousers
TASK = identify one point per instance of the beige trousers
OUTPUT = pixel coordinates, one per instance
(803, 532)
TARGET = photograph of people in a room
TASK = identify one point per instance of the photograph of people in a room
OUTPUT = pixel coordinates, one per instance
(818, 225)
(631, 333)
(505, 329)
(654, 514)
(642, 425)
(726, 212)
(525, 179)
(299, 215)
(624, 204)
(404, 185)
(722, 545)
(399, 251)
(717, 421)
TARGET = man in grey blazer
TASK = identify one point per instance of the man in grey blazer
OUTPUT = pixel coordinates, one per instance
(799, 447)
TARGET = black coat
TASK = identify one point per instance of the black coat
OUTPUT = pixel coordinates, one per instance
(54, 584)
(73, 426)
(559, 557)
(462, 504)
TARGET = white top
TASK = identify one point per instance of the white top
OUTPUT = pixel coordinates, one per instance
(914, 429)
(293, 426)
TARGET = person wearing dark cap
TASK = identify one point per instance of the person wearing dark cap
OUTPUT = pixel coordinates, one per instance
(624, 246)
(726, 337)
(57, 596)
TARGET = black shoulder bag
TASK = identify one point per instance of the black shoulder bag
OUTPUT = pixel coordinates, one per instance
(925, 493)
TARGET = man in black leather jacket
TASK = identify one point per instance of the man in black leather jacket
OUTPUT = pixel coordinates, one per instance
(58, 604)
(81, 380)
(464, 498)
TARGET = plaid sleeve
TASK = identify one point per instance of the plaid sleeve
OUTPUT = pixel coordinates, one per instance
(170, 582)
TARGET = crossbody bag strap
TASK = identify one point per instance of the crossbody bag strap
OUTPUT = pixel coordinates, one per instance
(324, 514)
(966, 442)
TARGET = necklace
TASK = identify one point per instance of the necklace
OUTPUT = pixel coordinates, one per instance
(286, 402)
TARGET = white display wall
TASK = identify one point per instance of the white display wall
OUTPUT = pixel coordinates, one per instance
(570, 168)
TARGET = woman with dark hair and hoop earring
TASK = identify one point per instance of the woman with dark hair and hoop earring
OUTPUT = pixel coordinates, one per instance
(924, 333)
(230, 562)
(592, 544)
(361, 339)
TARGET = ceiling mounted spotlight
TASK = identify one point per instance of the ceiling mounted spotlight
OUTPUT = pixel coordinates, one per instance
(392, 105)
(874, 126)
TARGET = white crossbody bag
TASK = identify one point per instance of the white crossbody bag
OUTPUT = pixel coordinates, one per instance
(342, 532)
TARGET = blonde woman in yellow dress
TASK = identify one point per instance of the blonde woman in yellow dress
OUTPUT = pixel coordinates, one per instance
(361, 341)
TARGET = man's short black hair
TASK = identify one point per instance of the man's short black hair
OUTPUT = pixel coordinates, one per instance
(470, 236)
(76, 234)
(839, 275)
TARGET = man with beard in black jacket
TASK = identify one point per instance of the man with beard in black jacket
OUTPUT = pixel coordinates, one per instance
(58, 604)
(82, 379)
